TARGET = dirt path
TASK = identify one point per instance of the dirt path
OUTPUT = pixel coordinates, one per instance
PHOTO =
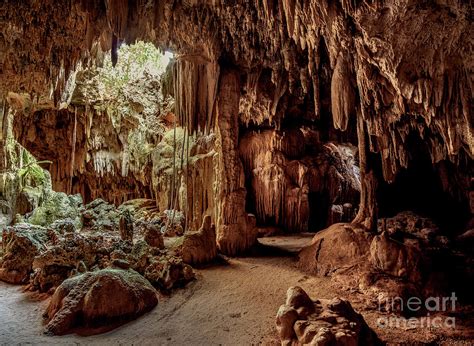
(232, 304)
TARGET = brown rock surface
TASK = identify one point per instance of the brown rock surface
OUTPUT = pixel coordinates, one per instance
(406, 258)
(199, 247)
(20, 244)
(96, 299)
(302, 321)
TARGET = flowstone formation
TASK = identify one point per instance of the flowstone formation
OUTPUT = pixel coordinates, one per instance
(81, 253)
(104, 129)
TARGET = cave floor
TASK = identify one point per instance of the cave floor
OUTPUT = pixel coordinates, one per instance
(231, 304)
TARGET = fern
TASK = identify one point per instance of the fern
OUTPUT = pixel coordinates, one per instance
(31, 171)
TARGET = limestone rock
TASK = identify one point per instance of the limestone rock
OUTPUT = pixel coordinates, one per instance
(199, 247)
(167, 272)
(71, 253)
(20, 244)
(104, 298)
(302, 321)
(126, 226)
(335, 248)
(151, 233)
(100, 215)
(57, 206)
(408, 258)
(295, 186)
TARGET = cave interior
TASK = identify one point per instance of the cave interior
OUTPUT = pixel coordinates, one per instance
(145, 144)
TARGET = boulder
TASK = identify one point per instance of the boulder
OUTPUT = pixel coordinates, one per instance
(335, 248)
(99, 215)
(408, 257)
(104, 298)
(167, 272)
(57, 206)
(20, 244)
(70, 254)
(321, 322)
(151, 232)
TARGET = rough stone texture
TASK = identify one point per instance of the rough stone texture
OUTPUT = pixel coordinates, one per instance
(408, 257)
(126, 226)
(57, 206)
(199, 247)
(390, 69)
(67, 255)
(337, 247)
(20, 244)
(235, 229)
(302, 321)
(152, 233)
(295, 181)
(101, 298)
(169, 272)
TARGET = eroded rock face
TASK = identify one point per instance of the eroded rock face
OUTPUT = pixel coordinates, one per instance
(302, 321)
(199, 247)
(68, 254)
(340, 245)
(408, 256)
(151, 233)
(20, 244)
(106, 297)
(126, 226)
(168, 272)
(44, 257)
(334, 65)
(295, 181)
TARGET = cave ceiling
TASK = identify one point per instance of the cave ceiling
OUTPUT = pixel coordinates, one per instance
(401, 66)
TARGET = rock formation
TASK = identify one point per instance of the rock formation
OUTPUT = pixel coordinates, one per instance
(199, 246)
(302, 321)
(21, 243)
(350, 117)
(409, 256)
(84, 301)
(365, 72)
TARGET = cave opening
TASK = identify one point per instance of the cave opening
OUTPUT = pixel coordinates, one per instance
(318, 210)
(419, 188)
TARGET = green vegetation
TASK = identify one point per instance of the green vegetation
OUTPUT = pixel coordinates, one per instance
(135, 62)
(30, 173)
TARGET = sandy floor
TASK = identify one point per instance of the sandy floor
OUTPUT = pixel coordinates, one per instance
(233, 304)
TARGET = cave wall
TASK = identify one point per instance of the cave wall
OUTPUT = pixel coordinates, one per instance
(379, 68)
(96, 171)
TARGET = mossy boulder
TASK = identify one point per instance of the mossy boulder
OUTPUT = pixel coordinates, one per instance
(104, 298)
(20, 244)
(58, 206)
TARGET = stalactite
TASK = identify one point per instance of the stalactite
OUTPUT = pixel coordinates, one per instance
(282, 176)
(73, 150)
(404, 82)
(342, 94)
(195, 90)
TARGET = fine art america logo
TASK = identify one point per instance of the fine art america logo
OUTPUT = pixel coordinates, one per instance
(414, 305)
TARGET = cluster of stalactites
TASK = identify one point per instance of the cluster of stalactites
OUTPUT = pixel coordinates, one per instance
(388, 58)
(195, 91)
